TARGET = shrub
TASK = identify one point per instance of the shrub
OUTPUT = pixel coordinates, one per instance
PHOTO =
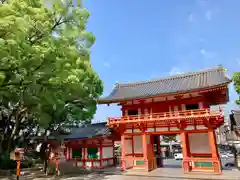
(7, 163)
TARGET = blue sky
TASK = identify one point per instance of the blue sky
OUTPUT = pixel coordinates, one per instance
(136, 40)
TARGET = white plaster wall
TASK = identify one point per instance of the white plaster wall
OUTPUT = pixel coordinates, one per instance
(107, 162)
(107, 152)
(89, 164)
(98, 153)
(96, 164)
(199, 143)
(104, 163)
(137, 141)
(128, 143)
(79, 163)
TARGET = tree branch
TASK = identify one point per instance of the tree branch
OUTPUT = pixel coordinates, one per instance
(3, 1)
(57, 23)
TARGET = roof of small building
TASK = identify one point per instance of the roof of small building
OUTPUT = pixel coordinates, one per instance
(170, 85)
(88, 131)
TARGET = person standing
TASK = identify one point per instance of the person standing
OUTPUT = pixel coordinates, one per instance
(47, 153)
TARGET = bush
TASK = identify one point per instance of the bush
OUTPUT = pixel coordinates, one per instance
(27, 162)
(7, 163)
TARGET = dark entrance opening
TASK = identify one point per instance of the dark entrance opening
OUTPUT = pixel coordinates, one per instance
(132, 112)
(168, 151)
(191, 106)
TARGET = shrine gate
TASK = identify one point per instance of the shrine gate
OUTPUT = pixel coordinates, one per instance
(173, 105)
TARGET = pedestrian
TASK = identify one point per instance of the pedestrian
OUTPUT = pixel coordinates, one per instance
(47, 153)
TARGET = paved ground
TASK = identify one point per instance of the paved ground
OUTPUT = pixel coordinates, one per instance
(172, 163)
(171, 171)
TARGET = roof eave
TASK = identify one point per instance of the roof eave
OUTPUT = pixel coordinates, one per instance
(113, 101)
(83, 138)
(105, 101)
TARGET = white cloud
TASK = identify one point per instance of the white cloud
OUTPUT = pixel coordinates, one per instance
(206, 54)
(107, 65)
(208, 15)
(175, 71)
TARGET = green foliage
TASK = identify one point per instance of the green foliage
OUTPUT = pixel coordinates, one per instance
(45, 62)
(7, 163)
(236, 81)
(169, 138)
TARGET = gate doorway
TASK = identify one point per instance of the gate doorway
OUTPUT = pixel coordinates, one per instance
(168, 151)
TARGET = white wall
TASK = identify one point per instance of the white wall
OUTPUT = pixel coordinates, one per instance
(199, 143)
(128, 145)
(137, 141)
(107, 152)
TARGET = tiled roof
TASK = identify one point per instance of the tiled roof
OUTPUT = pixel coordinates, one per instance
(173, 84)
(88, 131)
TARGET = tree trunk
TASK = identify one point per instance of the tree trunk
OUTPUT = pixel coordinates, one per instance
(15, 131)
(5, 136)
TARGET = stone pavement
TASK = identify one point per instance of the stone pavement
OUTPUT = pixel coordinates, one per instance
(177, 173)
(158, 174)
(173, 172)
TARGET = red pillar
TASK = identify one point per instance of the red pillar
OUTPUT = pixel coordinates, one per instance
(84, 154)
(185, 150)
(101, 153)
(133, 146)
(214, 150)
(123, 148)
(69, 153)
(145, 152)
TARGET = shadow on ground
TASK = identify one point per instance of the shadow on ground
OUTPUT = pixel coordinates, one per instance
(70, 172)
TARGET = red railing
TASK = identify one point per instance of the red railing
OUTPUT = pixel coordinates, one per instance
(169, 116)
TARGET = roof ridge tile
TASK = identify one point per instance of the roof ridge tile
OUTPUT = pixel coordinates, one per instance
(173, 84)
(187, 74)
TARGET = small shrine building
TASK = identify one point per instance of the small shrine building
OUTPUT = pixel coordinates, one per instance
(173, 105)
(90, 146)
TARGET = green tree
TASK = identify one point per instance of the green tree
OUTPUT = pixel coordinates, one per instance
(168, 138)
(236, 82)
(45, 69)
